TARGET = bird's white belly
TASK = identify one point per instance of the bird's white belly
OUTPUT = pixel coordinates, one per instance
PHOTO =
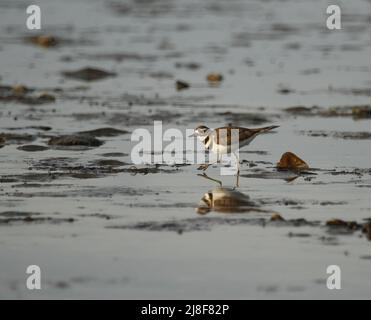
(223, 149)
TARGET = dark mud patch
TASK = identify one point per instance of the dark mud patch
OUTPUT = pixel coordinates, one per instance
(63, 167)
(258, 152)
(98, 216)
(15, 138)
(148, 170)
(109, 163)
(39, 185)
(24, 95)
(75, 140)
(355, 112)
(16, 217)
(341, 227)
(243, 118)
(32, 148)
(164, 205)
(298, 235)
(208, 223)
(188, 65)
(17, 214)
(74, 172)
(136, 119)
(28, 177)
(118, 57)
(286, 175)
(85, 192)
(114, 154)
(38, 128)
(88, 74)
(353, 172)
(338, 134)
(103, 132)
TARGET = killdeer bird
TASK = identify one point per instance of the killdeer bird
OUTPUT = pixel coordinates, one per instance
(226, 140)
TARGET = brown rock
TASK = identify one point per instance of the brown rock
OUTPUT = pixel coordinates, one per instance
(290, 161)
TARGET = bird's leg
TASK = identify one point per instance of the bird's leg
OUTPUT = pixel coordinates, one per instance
(205, 166)
(204, 175)
(238, 169)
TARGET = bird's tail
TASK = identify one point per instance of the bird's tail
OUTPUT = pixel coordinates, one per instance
(266, 129)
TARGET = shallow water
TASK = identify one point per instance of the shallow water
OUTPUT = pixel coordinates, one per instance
(115, 234)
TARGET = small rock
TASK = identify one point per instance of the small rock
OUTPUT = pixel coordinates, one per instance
(367, 230)
(2, 142)
(181, 85)
(45, 97)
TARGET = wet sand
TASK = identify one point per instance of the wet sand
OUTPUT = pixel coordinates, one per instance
(100, 229)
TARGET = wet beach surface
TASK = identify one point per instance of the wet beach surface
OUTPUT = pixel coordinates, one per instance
(72, 202)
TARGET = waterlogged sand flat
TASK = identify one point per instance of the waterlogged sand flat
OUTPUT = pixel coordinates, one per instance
(72, 202)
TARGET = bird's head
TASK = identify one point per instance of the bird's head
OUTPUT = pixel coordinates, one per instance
(201, 131)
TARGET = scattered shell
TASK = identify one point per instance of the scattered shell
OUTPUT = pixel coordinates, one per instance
(44, 41)
(214, 78)
(19, 90)
(290, 161)
(277, 217)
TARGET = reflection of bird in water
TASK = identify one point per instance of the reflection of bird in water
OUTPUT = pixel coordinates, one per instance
(226, 200)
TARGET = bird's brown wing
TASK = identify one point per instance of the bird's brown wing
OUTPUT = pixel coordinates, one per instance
(226, 135)
(230, 135)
